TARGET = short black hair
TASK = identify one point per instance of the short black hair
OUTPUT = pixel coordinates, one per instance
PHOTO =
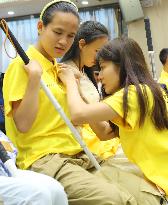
(163, 55)
(58, 6)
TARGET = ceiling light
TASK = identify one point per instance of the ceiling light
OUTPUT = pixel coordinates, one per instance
(11, 12)
(85, 2)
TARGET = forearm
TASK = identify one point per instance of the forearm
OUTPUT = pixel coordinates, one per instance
(25, 114)
(82, 113)
(102, 130)
(75, 102)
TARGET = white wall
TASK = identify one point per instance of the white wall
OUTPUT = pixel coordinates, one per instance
(158, 15)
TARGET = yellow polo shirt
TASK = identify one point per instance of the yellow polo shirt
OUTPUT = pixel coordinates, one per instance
(145, 146)
(88, 91)
(164, 78)
(49, 134)
(103, 149)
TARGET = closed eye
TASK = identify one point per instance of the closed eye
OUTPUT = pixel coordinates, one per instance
(58, 33)
(71, 36)
(97, 50)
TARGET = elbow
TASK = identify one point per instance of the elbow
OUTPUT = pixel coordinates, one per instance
(22, 123)
(109, 136)
(106, 136)
(23, 130)
(22, 127)
(78, 118)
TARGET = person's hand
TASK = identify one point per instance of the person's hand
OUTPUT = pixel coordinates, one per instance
(76, 72)
(34, 69)
(66, 73)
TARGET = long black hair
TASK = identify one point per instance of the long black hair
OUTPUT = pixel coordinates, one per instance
(89, 31)
(126, 53)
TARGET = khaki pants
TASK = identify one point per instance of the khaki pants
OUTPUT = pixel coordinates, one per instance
(142, 190)
(84, 188)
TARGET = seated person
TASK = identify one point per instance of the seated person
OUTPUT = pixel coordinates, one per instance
(45, 143)
(163, 80)
(27, 187)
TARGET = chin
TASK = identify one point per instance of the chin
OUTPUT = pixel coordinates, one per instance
(59, 55)
(107, 91)
(90, 65)
(110, 92)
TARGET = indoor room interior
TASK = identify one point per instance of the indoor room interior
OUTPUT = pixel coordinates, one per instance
(22, 16)
(83, 102)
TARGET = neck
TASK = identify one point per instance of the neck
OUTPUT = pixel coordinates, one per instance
(78, 63)
(165, 68)
(43, 52)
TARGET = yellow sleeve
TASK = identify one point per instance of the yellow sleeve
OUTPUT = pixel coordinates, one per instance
(164, 78)
(116, 103)
(14, 84)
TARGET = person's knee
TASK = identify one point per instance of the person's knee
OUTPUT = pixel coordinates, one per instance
(120, 196)
(148, 198)
(35, 193)
(49, 188)
(56, 190)
(33, 196)
(60, 196)
(45, 196)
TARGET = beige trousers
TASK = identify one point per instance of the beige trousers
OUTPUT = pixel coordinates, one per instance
(140, 188)
(84, 186)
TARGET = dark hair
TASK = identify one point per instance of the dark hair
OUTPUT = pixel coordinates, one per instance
(89, 31)
(90, 73)
(127, 54)
(58, 6)
(163, 55)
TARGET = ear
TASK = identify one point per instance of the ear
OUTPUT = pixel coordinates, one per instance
(82, 43)
(40, 26)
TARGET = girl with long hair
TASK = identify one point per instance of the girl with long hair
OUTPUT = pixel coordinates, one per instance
(137, 105)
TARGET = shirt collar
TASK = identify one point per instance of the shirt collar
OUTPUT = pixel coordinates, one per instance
(44, 62)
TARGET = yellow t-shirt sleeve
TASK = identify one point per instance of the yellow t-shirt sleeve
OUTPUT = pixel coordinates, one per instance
(14, 85)
(116, 103)
(164, 78)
